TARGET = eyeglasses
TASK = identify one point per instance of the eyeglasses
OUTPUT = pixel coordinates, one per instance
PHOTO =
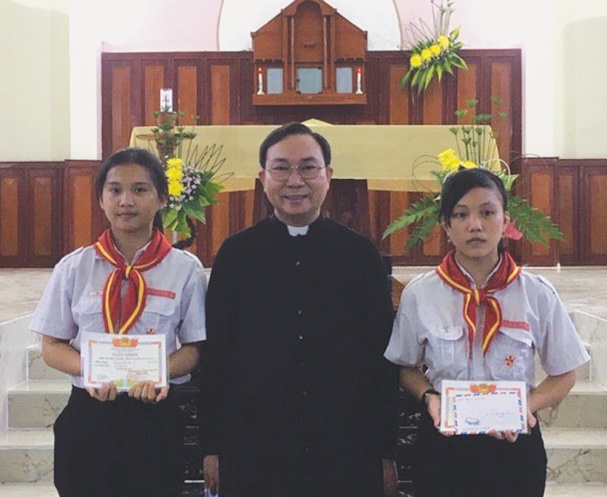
(280, 172)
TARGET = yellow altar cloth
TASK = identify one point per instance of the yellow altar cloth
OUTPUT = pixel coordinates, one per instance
(384, 155)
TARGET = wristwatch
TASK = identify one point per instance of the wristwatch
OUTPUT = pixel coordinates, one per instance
(428, 392)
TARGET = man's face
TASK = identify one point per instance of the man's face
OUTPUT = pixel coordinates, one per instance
(296, 200)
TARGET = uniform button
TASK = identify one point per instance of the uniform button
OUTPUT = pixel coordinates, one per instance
(298, 263)
(299, 312)
(300, 337)
(304, 393)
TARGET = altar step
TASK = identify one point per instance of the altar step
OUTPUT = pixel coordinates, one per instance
(552, 490)
(575, 435)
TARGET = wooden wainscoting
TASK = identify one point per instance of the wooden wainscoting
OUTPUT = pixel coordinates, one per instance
(48, 209)
(30, 213)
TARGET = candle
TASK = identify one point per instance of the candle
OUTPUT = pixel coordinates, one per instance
(260, 81)
(359, 79)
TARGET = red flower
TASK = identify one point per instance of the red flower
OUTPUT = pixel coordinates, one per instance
(512, 231)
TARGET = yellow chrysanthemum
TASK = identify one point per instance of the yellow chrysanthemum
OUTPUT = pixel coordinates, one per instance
(436, 50)
(426, 54)
(443, 41)
(449, 160)
(415, 61)
(175, 162)
(175, 188)
(468, 164)
(174, 174)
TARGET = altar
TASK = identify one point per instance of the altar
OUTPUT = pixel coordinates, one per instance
(389, 157)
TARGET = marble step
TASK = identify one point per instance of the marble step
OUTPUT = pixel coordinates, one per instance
(12, 490)
(552, 490)
(37, 403)
(576, 455)
(26, 456)
(584, 407)
(37, 368)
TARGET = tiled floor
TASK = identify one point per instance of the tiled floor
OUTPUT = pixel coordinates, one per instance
(581, 288)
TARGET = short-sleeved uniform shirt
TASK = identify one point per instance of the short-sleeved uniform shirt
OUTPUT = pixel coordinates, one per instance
(72, 300)
(430, 329)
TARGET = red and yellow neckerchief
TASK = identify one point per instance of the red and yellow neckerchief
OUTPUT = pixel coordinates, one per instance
(126, 313)
(506, 273)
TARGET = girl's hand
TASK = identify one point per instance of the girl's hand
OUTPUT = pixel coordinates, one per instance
(107, 392)
(146, 392)
(511, 436)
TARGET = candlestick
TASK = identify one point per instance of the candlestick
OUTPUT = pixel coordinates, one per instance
(359, 78)
(260, 81)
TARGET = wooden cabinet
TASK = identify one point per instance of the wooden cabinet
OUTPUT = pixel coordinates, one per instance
(309, 55)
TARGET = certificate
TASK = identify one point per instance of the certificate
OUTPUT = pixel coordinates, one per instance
(122, 359)
(474, 407)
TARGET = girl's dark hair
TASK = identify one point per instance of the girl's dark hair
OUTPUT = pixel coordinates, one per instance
(458, 184)
(142, 158)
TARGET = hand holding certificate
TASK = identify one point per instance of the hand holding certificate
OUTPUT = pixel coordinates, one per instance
(474, 408)
(124, 360)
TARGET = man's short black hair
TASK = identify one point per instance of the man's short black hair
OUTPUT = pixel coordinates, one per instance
(289, 129)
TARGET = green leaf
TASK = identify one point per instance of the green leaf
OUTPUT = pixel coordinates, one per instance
(533, 223)
(419, 210)
(439, 72)
(169, 217)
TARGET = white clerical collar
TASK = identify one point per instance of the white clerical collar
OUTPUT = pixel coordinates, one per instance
(298, 230)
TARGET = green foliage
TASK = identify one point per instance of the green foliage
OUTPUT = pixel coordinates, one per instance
(476, 147)
(533, 223)
(434, 51)
(203, 167)
(200, 181)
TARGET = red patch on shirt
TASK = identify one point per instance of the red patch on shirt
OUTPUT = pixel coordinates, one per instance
(519, 325)
(162, 293)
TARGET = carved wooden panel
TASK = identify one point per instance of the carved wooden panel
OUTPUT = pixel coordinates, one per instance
(10, 212)
(121, 103)
(41, 190)
(187, 92)
(83, 220)
(153, 81)
(30, 216)
(594, 236)
(399, 99)
(567, 203)
(220, 90)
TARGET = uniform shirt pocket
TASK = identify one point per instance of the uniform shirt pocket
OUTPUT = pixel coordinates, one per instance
(446, 351)
(510, 355)
(88, 314)
(158, 315)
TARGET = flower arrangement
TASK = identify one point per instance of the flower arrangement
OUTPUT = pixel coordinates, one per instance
(193, 176)
(168, 134)
(476, 147)
(434, 50)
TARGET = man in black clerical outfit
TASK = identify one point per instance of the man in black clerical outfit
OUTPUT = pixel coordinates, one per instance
(297, 399)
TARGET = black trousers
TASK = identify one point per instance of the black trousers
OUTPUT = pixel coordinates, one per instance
(477, 465)
(300, 475)
(123, 448)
